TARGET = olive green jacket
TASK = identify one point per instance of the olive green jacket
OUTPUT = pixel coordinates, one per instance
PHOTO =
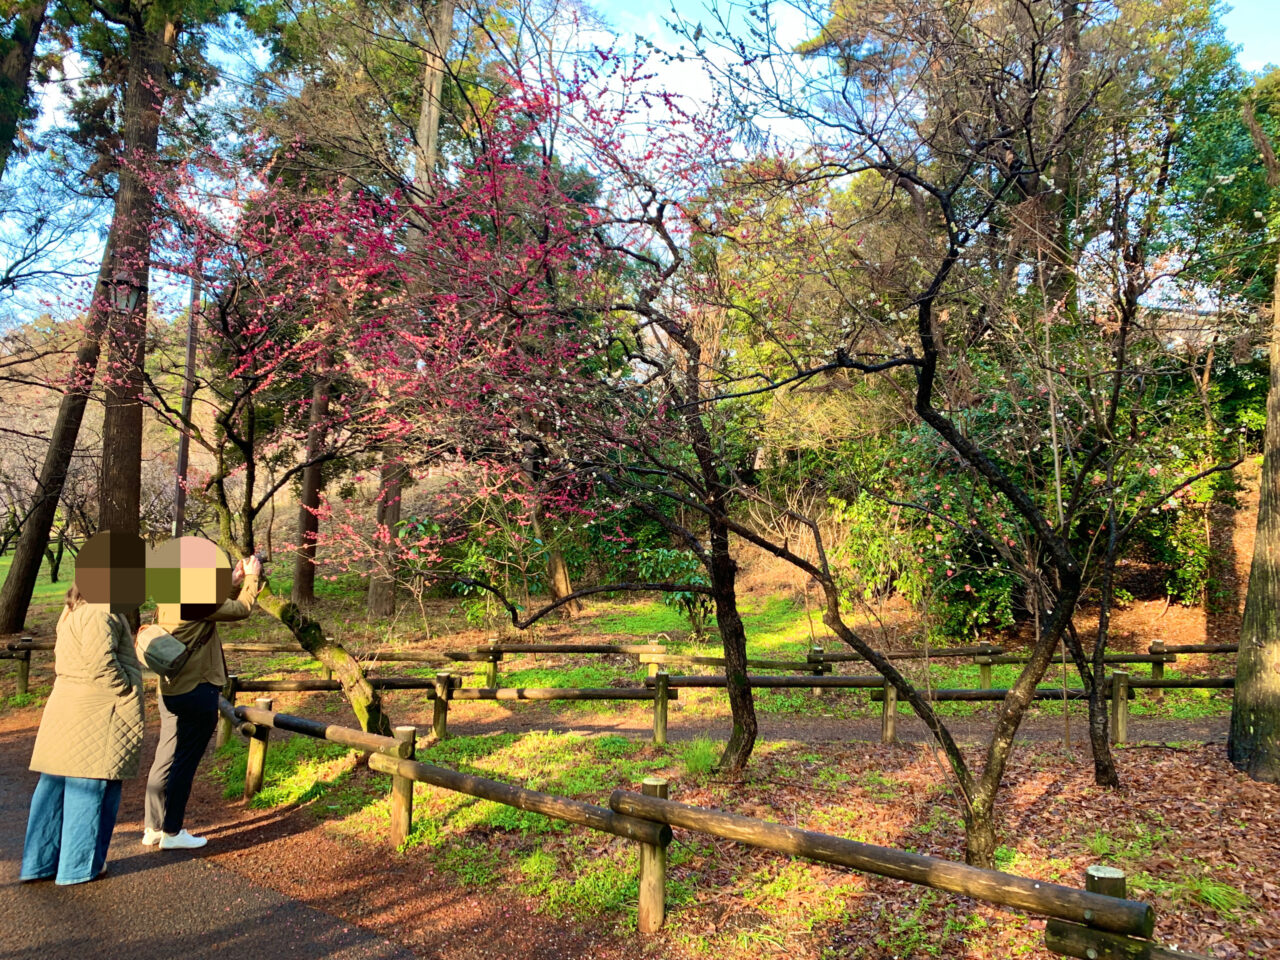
(205, 665)
(92, 722)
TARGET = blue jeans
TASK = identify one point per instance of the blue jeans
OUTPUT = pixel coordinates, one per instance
(69, 828)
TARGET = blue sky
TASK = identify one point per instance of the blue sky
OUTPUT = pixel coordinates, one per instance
(1253, 25)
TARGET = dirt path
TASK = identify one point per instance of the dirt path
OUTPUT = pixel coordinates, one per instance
(152, 905)
(269, 884)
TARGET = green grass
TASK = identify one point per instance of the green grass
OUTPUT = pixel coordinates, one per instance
(596, 886)
(907, 934)
(47, 598)
(567, 764)
(773, 624)
(588, 675)
(46, 592)
(638, 619)
(699, 756)
(1135, 846)
(298, 770)
(1223, 898)
(878, 785)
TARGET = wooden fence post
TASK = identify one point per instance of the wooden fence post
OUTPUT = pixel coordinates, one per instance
(402, 792)
(1157, 668)
(491, 669)
(440, 711)
(653, 870)
(1075, 940)
(1119, 706)
(224, 725)
(889, 714)
(815, 657)
(654, 666)
(984, 671)
(661, 686)
(1105, 880)
(24, 671)
(257, 760)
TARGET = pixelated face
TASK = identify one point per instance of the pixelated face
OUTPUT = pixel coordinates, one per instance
(191, 572)
(111, 568)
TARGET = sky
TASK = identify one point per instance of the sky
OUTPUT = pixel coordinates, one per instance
(1253, 25)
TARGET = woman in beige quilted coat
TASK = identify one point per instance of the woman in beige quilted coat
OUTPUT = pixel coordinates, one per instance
(90, 739)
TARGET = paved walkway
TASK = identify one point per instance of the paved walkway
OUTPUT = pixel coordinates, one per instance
(152, 905)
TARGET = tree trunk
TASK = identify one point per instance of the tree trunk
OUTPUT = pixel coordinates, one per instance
(1104, 764)
(1254, 741)
(733, 637)
(15, 73)
(980, 836)
(559, 583)
(979, 816)
(382, 588)
(121, 478)
(55, 556)
(365, 701)
(304, 565)
(382, 585)
(15, 595)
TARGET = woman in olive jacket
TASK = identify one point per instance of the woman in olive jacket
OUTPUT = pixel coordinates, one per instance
(90, 739)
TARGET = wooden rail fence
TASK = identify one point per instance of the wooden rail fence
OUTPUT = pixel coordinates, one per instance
(1091, 923)
(446, 687)
(817, 663)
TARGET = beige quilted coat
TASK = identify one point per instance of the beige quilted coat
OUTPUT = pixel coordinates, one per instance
(92, 724)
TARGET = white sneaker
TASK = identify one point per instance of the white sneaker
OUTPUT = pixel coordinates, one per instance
(151, 837)
(181, 841)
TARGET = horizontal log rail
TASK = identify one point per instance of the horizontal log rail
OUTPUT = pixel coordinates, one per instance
(1108, 658)
(1049, 899)
(1199, 648)
(763, 681)
(548, 804)
(322, 731)
(679, 659)
(1040, 693)
(322, 686)
(19, 646)
(1074, 940)
(631, 649)
(850, 657)
(555, 693)
(1184, 683)
(428, 685)
(240, 725)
